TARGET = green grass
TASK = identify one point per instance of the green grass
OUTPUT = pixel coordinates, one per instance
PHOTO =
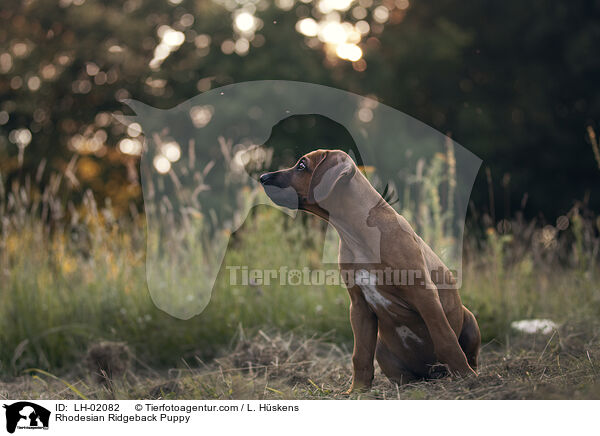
(58, 297)
(67, 286)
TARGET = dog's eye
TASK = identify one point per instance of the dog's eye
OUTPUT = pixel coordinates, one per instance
(301, 166)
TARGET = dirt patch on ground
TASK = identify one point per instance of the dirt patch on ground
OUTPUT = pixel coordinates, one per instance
(564, 364)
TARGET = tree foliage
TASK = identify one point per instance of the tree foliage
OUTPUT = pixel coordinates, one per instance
(514, 82)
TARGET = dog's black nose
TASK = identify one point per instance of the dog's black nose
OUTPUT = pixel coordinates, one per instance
(265, 178)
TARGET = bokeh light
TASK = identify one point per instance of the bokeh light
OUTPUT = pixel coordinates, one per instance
(171, 151)
(171, 40)
(350, 52)
(162, 164)
(245, 22)
(130, 146)
(20, 137)
(307, 27)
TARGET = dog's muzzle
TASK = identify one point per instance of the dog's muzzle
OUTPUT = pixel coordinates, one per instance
(285, 196)
(267, 178)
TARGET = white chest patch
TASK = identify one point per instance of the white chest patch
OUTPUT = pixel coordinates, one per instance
(368, 283)
(405, 333)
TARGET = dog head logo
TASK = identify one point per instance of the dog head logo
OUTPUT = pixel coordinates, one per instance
(26, 415)
(201, 161)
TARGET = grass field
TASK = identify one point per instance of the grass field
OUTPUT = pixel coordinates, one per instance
(561, 365)
(68, 287)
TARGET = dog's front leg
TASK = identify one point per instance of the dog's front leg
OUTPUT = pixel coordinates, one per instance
(424, 296)
(445, 341)
(364, 328)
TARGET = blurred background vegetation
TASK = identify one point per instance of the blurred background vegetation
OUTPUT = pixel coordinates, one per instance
(514, 82)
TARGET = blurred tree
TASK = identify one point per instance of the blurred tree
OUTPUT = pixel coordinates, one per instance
(514, 82)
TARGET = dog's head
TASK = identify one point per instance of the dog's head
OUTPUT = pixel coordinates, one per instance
(308, 185)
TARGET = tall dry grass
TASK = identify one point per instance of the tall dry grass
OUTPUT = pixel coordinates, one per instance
(74, 274)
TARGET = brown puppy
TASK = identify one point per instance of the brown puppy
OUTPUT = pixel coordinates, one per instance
(410, 324)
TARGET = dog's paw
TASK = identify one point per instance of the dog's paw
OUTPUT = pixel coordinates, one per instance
(465, 372)
(357, 389)
(351, 391)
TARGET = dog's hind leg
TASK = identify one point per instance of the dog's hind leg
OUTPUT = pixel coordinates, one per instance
(391, 366)
(470, 338)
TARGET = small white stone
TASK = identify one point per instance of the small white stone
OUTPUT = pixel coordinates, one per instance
(531, 326)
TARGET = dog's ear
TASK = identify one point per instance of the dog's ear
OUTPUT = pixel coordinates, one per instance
(334, 168)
